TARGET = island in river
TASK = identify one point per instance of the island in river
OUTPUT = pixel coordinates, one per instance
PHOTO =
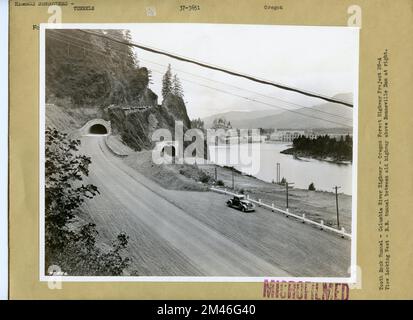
(323, 148)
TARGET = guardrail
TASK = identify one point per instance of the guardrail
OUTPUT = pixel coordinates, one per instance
(116, 154)
(302, 218)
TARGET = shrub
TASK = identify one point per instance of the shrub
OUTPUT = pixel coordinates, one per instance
(73, 249)
(220, 183)
(204, 178)
(311, 187)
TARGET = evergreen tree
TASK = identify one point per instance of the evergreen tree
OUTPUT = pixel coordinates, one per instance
(150, 76)
(177, 87)
(131, 53)
(197, 124)
(167, 82)
(325, 146)
(221, 123)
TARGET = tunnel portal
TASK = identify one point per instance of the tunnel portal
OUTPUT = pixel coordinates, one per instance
(98, 129)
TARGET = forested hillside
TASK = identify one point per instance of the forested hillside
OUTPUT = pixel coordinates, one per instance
(91, 69)
(87, 71)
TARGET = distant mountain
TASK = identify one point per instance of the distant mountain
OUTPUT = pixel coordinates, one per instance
(238, 119)
(346, 97)
(326, 115)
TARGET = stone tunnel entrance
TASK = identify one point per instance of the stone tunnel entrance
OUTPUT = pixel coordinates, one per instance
(170, 151)
(98, 129)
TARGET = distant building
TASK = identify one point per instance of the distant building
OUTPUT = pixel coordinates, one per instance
(288, 135)
(338, 136)
(336, 133)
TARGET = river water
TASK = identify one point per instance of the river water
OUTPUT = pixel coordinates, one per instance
(260, 159)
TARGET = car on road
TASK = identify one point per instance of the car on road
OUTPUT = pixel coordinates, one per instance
(239, 202)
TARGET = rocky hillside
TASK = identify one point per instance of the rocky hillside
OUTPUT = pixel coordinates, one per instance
(84, 71)
(136, 128)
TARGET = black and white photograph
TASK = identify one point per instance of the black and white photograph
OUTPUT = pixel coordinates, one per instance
(198, 152)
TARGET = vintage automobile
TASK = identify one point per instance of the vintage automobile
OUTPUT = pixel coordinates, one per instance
(239, 202)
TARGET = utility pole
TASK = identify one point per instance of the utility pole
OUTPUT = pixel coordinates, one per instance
(286, 192)
(279, 172)
(233, 179)
(277, 180)
(338, 217)
(287, 186)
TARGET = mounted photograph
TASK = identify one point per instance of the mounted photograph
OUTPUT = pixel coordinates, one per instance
(198, 152)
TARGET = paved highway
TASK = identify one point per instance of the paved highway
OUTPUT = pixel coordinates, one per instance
(181, 233)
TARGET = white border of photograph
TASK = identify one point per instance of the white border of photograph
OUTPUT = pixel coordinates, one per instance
(4, 135)
(42, 277)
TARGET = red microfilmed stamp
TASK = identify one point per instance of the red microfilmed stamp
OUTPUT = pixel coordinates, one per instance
(298, 290)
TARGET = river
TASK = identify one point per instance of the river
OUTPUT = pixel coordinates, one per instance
(260, 159)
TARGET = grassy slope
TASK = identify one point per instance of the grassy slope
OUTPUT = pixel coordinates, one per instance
(168, 176)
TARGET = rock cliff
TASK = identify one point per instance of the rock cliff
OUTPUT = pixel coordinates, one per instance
(84, 71)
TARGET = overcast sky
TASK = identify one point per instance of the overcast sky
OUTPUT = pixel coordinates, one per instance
(318, 59)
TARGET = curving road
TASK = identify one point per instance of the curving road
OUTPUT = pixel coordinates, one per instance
(180, 233)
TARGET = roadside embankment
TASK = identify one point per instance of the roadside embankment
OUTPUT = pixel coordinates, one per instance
(316, 205)
(169, 176)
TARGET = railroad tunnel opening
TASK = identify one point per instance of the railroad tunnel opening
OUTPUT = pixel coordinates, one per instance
(98, 129)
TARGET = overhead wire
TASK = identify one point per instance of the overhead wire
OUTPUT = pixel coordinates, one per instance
(227, 84)
(217, 68)
(212, 88)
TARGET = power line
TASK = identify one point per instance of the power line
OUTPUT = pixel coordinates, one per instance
(221, 82)
(123, 39)
(234, 73)
(254, 92)
(76, 45)
(65, 35)
(219, 90)
(152, 49)
(257, 101)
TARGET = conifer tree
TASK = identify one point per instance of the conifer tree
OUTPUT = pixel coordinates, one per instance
(167, 82)
(177, 87)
